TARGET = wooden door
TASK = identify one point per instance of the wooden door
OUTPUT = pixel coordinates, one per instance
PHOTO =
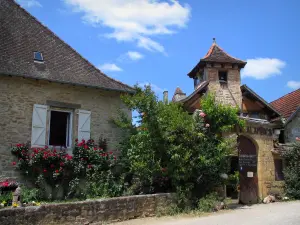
(248, 171)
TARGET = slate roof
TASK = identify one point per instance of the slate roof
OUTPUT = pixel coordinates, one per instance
(288, 103)
(216, 54)
(21, 34)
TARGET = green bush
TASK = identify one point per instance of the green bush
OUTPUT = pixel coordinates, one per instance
(292, 171)
(30, 194)
(171, 150)
(208, 203)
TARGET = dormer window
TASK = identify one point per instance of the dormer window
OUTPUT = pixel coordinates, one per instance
(223, 76)
(38, 56)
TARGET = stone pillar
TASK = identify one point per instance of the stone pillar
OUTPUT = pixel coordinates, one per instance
(17, 196)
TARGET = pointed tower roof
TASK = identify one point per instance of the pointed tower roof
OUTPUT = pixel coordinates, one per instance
(178, 95)
(216, 54)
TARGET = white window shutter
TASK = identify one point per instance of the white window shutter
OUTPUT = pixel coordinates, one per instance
(39, 121)
(84, 125)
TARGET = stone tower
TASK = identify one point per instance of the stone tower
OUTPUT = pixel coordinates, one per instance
(222, 71)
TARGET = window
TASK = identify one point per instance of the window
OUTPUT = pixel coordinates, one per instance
(223, 76)
(60, 129)
(38, 56)
(278, 169)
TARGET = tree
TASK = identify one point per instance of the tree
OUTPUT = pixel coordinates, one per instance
(292, 170)
(171, 150)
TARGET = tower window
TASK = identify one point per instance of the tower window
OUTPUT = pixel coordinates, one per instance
(38, 56)
(223, 76)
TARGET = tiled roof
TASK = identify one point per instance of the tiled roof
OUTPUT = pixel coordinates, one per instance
(216, 54)
(21, 34)
(288, 103)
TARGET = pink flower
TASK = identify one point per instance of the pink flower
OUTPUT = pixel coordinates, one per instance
(202, 114)
(45, 171)
(86, 147)
(163, 169)
(52, 166)
(90, 166)
(207, 125)
(297, 138)
(13, 163)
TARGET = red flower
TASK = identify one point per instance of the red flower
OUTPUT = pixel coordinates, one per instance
(83, 141)
(52, 166)
(110, 153)
(86, 147)
(90, 166)
(46, 147)
(61, 164)
(76, 140)
(56, 171)
(13, 163)
(45, 171)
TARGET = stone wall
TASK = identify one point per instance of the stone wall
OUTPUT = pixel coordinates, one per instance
(87, 212)
(292, 129)
(18, 96)
(229, 93)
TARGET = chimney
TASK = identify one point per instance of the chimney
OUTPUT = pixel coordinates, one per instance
(165, 98)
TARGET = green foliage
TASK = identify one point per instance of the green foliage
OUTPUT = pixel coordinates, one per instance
(173, 151)
(30, 194)
(6, 198)
(292, 171)
(222, 118)
(208, 203)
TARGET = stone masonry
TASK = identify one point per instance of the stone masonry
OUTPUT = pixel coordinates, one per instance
(88, 212)
(229, 93)
(18, 95)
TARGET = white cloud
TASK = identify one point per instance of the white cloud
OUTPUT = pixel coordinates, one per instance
(293, 84)
(154, 87)
(263, 68)
(110, 67)
(29, 3)
(134, 55)
(135, 20)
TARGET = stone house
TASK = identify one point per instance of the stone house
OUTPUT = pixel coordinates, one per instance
(289, 107)
(255, 159)
(49, 94)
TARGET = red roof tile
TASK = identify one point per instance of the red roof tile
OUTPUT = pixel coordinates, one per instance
(287, 104)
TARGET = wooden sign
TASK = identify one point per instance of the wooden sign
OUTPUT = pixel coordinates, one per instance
(247, 160)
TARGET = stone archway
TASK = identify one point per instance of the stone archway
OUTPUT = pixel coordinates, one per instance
(248, 170)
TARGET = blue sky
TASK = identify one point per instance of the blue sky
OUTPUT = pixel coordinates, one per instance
(159, 42)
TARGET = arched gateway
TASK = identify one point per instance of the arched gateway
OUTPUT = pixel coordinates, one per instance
(248, 171)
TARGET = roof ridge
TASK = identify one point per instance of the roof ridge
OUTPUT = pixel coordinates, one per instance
(284, 95)
(60, 39)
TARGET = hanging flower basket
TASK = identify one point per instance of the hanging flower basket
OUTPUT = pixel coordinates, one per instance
(8, 185)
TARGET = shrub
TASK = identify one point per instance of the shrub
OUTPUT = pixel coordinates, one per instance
(292, 171)
(58, 175)
(208, 203)
(170, 150)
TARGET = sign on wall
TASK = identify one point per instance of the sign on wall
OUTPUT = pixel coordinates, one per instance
(246, 160)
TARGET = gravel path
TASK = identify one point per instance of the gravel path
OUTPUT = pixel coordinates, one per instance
(287, 213)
